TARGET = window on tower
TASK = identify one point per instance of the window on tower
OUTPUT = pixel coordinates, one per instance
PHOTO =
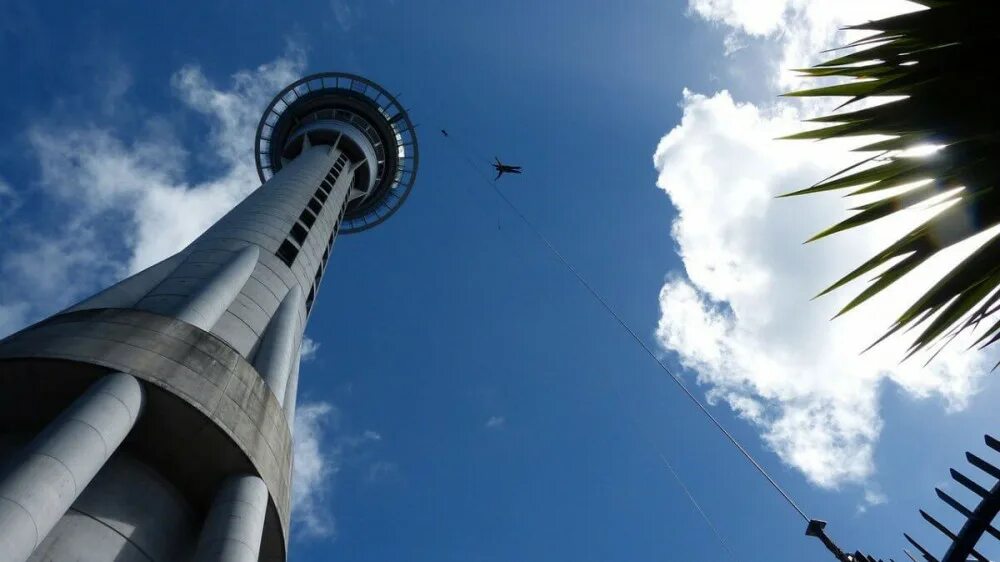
(297, 235)
(287, 253)
(310, 299)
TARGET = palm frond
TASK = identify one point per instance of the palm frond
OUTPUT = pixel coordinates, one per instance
(941, 62)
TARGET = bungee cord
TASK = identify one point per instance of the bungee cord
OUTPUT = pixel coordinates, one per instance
(697, 506)
(635, 337)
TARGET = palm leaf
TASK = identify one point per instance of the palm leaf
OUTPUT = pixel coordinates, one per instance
(940, 59)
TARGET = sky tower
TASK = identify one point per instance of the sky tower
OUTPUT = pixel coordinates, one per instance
(152, 421)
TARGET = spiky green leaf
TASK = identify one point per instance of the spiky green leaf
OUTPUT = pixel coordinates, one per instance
(941, 61)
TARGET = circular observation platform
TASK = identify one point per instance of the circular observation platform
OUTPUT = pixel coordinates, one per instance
(364, 120)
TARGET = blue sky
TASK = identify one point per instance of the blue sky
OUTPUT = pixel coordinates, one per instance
(467, 399)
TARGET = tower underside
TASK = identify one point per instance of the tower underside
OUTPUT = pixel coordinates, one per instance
(152, 421)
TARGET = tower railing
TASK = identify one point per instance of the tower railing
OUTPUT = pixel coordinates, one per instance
(400, 132)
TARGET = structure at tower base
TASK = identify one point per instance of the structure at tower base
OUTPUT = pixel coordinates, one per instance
(152, 421)
(965, 538)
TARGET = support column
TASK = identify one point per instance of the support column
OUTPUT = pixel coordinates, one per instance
(235, 522)
(292, 392)
(38, 488)
(208, 305)
(278, 350)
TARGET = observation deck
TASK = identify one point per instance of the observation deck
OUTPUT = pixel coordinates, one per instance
(362, 119)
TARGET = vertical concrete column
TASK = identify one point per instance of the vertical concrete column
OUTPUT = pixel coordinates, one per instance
(292, 392)
(235, 522)
(130, 290)
(206, 307)
(38, 488)
(277, 351)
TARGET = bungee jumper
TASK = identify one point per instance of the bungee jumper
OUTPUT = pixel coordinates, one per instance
(502, 169)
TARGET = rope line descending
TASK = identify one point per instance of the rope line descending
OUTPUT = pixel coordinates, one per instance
(632, 417)
(642, 344)
(697, 506)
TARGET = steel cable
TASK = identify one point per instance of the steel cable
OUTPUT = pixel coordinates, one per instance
(614, 314)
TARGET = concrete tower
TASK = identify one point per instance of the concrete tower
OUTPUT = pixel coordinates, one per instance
(152, 421)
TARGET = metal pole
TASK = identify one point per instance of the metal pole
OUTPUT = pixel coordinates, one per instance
(817, 528)
(38, 488)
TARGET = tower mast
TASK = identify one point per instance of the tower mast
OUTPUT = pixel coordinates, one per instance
(152, 421)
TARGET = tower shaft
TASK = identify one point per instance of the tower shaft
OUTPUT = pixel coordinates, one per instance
(216, 330)
(152, 421)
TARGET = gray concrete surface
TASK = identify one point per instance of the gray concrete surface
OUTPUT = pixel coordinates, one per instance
(215, 331)
(206, 299)
(38, 488)
(128, 512)
(192, 365)
(232, 530)
(278, 349)
(292, 391)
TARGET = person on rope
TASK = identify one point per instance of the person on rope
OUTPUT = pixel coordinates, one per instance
(502, 169)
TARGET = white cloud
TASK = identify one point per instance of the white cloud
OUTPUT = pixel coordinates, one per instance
(803, 28)
(14, 314)
(379, 471)
(321, 451)
(733, 43)
(9, 200)
(308, 349)
(872, 498)
(13, 317)
(754, 17)
(42, 273)
(134, 193)
(344, 14)
(741, 318)
(313, 470)
(495, 422)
